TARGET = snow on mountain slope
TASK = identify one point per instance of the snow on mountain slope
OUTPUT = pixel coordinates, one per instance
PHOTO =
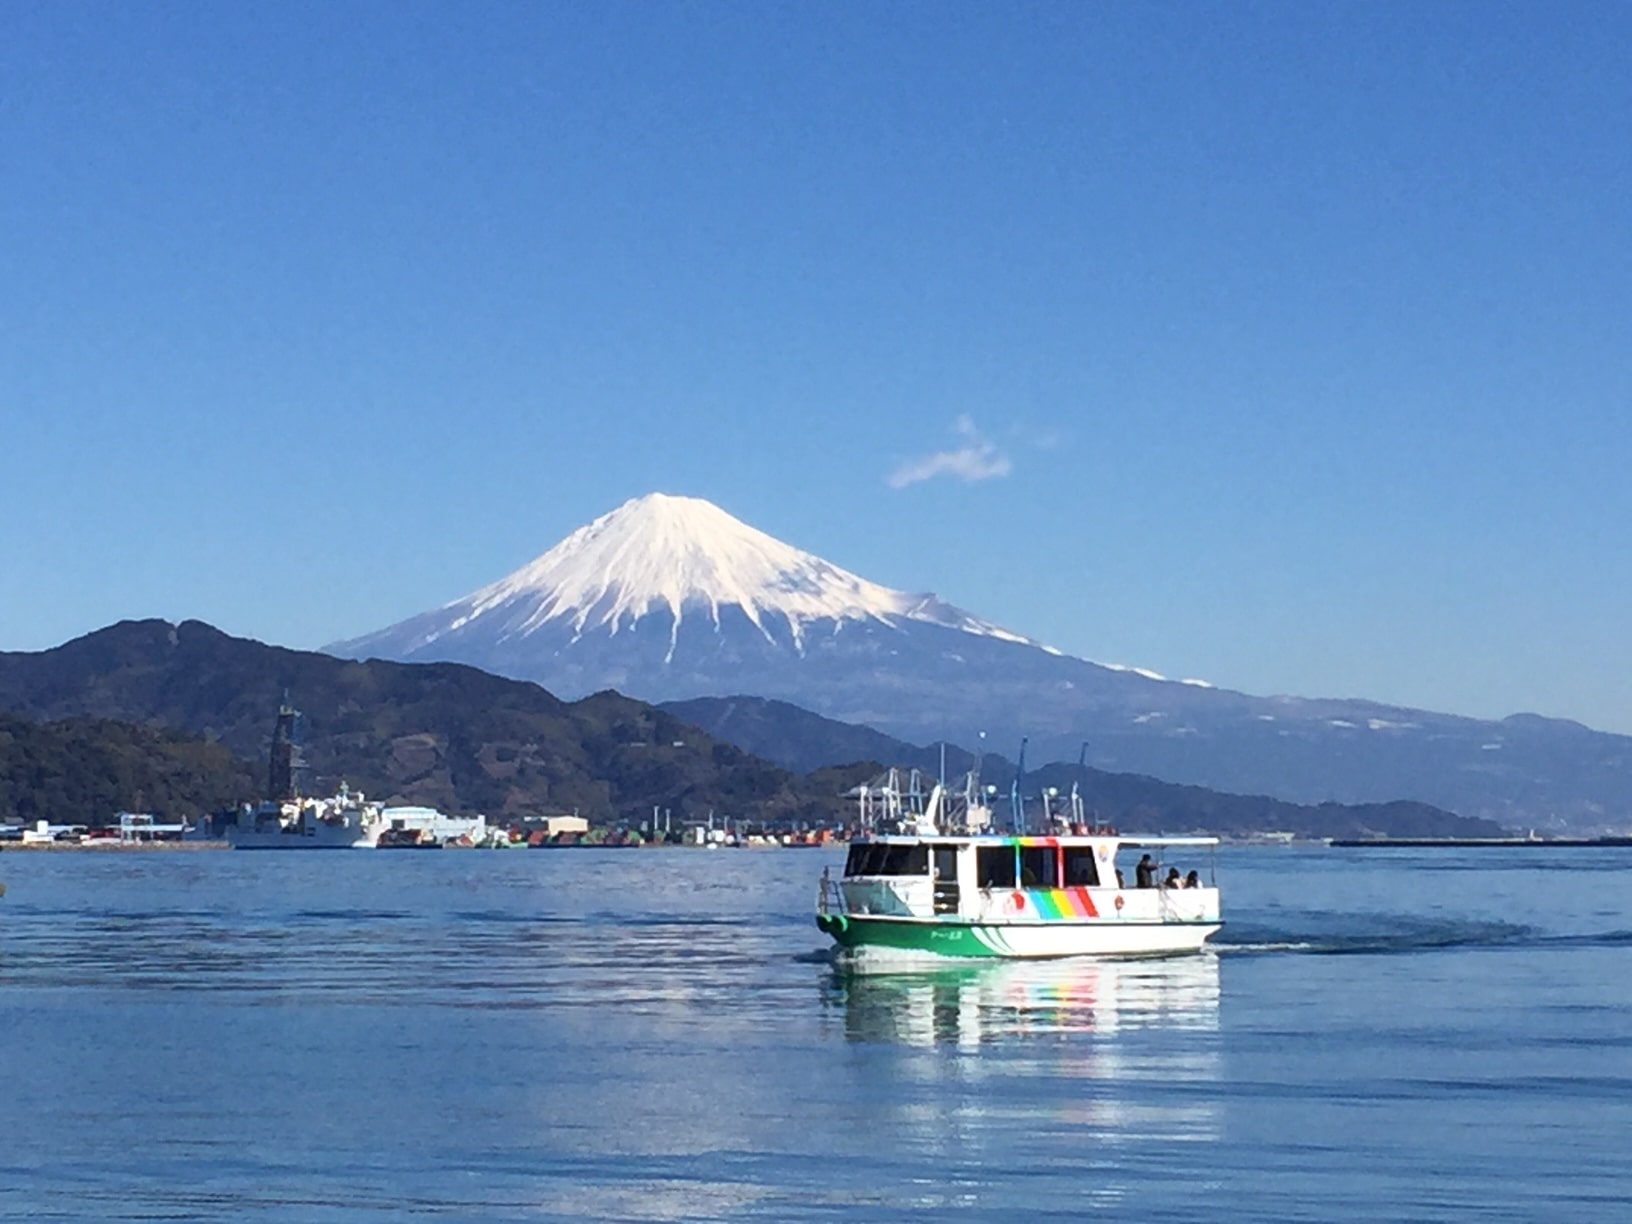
(678, 554)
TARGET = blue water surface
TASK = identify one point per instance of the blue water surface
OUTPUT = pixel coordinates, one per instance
(657, 1035)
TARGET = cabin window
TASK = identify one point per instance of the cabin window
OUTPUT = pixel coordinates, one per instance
(995, 866)
(946, 863)
(859, 862)
(883, 859)
(906, 860)
(1037, 867)
(1080, 869)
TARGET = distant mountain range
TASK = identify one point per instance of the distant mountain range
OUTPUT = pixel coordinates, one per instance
(798, 739)
(671, 598)
(462, 740)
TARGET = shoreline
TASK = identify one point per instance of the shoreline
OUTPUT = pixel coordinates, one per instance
(99, 846)
(1462, 843)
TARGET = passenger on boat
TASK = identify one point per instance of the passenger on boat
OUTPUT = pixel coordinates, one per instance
(1120, 882)
(1173, 880)
(1193, 880)
(1144, 875)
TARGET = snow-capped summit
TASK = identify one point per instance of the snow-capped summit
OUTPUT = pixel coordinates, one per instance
(680, 559)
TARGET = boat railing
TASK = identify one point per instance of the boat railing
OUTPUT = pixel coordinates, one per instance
(829, 896)
(1164, 907)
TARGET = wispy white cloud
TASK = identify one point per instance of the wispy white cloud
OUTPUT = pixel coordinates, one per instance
(1044, 437)
(976, 458)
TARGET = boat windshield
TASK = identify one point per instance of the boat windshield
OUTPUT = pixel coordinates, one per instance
(883, 859)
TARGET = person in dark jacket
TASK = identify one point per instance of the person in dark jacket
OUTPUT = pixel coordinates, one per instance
(1144, 875)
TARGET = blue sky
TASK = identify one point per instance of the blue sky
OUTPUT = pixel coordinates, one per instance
(1285, 346)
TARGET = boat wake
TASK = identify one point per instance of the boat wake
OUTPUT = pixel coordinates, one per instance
(1608, 939)
(817, 956)
(1394, 938)
(1397, 939)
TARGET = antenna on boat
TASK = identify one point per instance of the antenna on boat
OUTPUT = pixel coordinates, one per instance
(1016, 803)
(1082, 776)
(285, 761)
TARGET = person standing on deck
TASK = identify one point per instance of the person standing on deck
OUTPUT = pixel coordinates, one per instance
(1144, 875)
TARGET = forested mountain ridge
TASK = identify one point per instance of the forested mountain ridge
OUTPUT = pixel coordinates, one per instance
(440, 734)
(84, 771)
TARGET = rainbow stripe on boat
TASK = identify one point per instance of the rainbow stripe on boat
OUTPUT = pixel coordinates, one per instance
(1058, 904)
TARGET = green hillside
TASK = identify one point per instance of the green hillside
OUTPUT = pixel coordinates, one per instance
(83, 771)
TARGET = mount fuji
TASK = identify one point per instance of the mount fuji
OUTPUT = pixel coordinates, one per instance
(670, 598)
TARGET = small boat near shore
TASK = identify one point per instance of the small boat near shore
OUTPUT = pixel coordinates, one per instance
(346, 820)
(305, 822)
(406, 839)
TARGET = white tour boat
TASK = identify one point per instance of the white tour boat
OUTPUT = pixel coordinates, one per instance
(968, 893)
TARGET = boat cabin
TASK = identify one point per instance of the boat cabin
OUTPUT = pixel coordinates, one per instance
(1019, 879)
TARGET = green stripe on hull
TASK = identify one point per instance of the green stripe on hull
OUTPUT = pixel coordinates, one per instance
(939, 938)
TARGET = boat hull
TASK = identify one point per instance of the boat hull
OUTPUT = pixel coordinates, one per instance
(882, 937)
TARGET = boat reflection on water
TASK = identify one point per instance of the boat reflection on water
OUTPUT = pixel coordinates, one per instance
(968, 1005)
(1110, 1052)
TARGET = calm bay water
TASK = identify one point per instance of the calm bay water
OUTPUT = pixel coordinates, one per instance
(654, 1035)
